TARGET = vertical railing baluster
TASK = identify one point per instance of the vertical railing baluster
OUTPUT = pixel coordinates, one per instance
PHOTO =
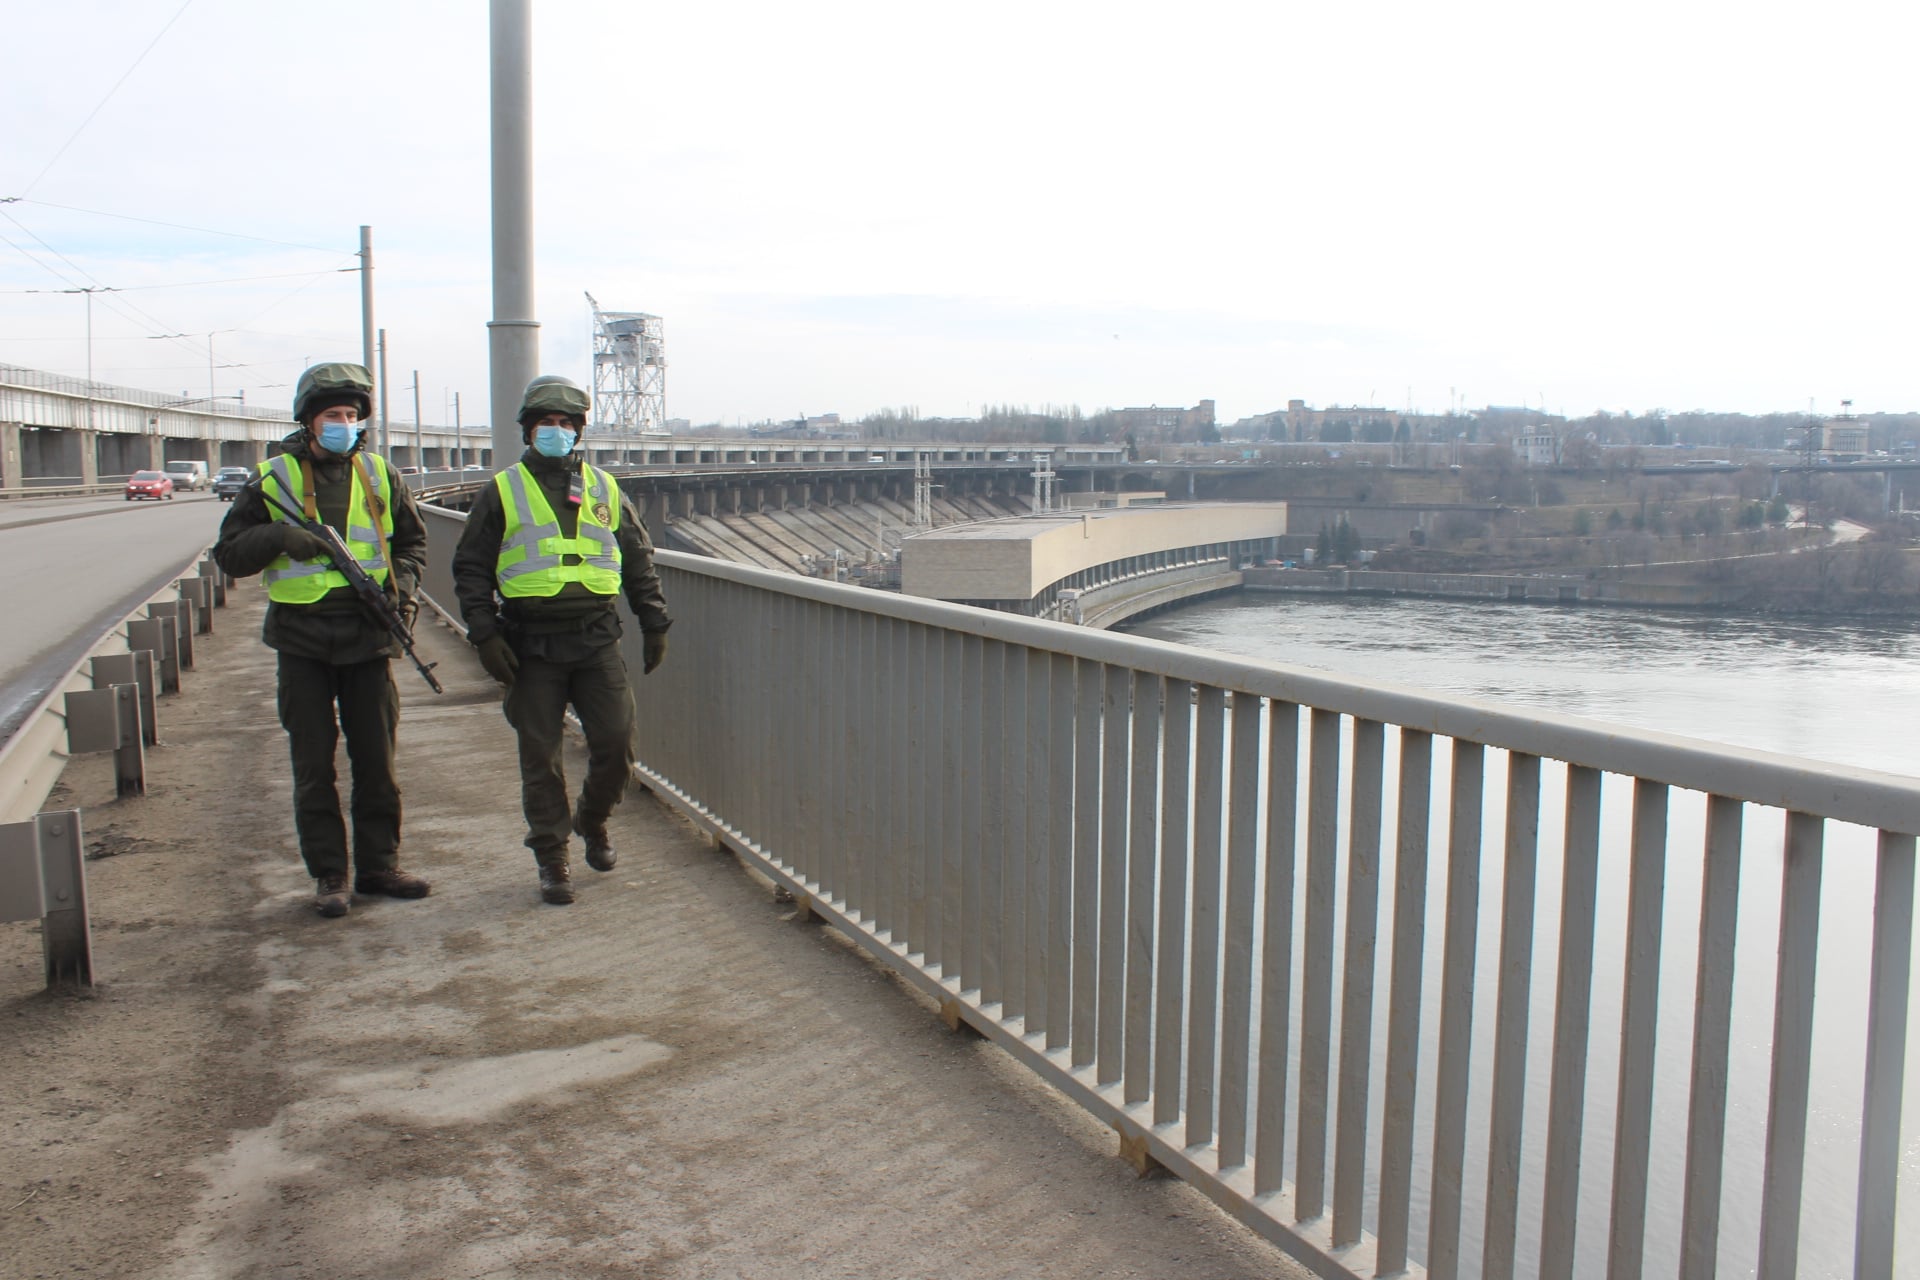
(1792, 1048)
(810, 760)
(1143, 815)
(1203, 988)
(1170, 998)
(971, 801)
(1572, 1023)
(1064, 821)
(1041, 805)
(1115, 720)
(864, 735)
(1243, 869)
(1356, 980)
(1639, 1018)
(1316, 963)
(1403, 1010)
(1886, 1057)
(838, 810)
(924, 721)
(1089, 730)
(1454, 1063)
(1712, 1034)
(1011, 912)
(882, 848)
(1276, 947)
(992, 852)
(948, 870)
(1510, 1014)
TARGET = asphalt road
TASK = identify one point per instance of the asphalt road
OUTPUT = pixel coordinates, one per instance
(70, 567)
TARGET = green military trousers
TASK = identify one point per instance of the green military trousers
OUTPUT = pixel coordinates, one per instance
(318, 701)
(536, 706)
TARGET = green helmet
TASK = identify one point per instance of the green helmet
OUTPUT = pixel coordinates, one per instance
(551, 393)
(326, 385)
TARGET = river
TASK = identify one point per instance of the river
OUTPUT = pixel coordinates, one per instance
(1845, 692)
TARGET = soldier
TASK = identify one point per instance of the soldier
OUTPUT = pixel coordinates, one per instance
(549, 546)
(334, 675)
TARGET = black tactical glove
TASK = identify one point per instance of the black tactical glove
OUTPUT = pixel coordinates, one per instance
(498, 657)
(654, 649)
(300, 544)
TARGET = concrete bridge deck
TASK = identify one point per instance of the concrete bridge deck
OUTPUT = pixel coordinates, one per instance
(672, 1078)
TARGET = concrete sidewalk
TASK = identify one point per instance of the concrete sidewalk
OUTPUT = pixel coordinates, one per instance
(672, 1078)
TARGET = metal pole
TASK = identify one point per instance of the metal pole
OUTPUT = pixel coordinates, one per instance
(89, 293)
(366, 297)
(459, 444)
(384, 450)
(418, 453)
(513, 335)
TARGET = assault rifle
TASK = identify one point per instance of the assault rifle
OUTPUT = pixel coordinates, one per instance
(372, 596)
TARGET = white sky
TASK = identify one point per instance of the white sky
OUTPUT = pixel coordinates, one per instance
(842, 206)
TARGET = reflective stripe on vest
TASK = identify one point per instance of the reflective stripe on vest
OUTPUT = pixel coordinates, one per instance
(533, 555)
(292, 581)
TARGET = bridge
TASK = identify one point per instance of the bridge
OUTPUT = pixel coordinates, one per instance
(1403, 984)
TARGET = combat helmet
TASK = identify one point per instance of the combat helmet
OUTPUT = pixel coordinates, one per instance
(551, 393)
(326, 385)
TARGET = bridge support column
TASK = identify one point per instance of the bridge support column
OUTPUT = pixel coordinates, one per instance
(9, 455)
(89, 451)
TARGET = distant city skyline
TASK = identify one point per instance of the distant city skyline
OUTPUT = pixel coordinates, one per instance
(855, 207)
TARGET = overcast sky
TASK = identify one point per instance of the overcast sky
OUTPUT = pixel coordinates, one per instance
(838, 207)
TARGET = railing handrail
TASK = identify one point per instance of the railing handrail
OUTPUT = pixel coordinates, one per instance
(1845, 793)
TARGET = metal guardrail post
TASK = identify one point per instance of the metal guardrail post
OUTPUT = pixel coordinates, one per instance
(43, 877)
(109, 720)
(135, 668)
(217, 579)
(156, 635)
(181, 612)
(200, 592)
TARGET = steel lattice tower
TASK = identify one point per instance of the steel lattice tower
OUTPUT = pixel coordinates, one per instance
(629, 372)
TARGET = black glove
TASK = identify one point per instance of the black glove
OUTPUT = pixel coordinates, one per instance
(498, 657)
(654, 649)
(300, 544)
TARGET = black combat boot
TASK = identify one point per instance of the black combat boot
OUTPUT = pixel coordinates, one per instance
(330, 897)
(600, 854)
(556, 883)
(391, 881)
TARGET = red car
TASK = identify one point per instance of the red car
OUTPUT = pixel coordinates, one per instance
(149, 484)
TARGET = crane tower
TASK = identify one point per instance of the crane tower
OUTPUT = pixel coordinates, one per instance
(629, 372)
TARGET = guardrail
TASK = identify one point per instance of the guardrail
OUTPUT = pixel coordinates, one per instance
(1160, 879)
(106, 702)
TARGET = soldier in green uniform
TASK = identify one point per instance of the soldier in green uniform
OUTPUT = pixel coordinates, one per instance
(549, 547)
(334, 676)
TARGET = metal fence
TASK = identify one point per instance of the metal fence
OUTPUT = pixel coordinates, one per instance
(1411, 985)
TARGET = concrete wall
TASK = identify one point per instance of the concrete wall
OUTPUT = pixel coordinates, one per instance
(1016, 559)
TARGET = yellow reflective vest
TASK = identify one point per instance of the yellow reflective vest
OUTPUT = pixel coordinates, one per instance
(533, 555)
(292, 581)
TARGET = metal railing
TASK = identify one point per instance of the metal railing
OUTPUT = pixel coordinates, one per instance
(1198, 896)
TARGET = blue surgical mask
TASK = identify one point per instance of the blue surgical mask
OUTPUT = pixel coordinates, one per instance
(554, 442)
(338, 437)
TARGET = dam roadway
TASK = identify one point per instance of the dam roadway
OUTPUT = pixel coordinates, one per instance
(672, 1078)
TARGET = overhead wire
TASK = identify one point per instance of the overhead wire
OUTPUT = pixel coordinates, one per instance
(175, 226)
(72, 138)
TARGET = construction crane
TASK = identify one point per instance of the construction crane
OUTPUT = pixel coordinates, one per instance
(629, 373)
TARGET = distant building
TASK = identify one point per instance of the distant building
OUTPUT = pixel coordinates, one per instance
(1311, 424)
(1535, 447)
(1844, 436)
(1169, 423)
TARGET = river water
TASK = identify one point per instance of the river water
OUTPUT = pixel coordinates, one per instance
(1847, 692)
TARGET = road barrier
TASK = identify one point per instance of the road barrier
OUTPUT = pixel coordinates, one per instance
(105, 703)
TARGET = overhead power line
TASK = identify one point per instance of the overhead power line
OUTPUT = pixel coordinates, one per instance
(194, 284)
(108, 98)
(174, 226)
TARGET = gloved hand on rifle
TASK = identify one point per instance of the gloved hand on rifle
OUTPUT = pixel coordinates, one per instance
(498, 657)
(653, 649)
(299, 544)
(409, 609)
